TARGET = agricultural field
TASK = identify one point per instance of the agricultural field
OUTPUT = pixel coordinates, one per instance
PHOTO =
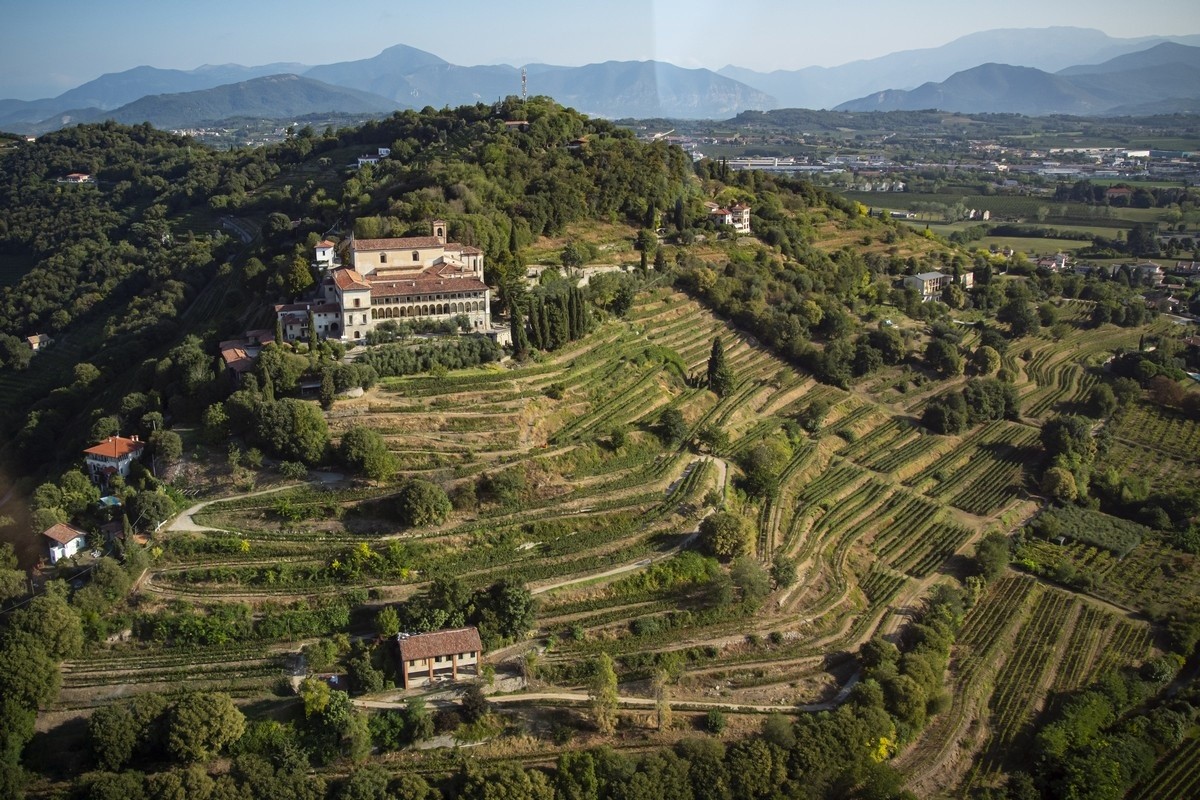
(598, 517)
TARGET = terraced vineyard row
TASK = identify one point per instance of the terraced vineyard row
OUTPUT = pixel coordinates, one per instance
(1163, 430)
(1018, 686)
(984, 475)
(1176, 777)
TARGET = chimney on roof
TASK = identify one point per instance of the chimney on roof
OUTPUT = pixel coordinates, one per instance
(134, 438)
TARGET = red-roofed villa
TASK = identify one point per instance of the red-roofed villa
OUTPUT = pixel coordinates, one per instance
(114, 456)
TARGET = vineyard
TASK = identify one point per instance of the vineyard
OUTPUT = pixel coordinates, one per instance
(599, 516)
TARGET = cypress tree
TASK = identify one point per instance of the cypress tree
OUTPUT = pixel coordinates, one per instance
(562, 322)
(585, 315)
(514, 246)
(519, 337)
(268, 387)
(535, 331)
(573, 305)
(720, 377)
(312, 330)
(278, 331)
(545, 323)
(328, 391)
(679, 218)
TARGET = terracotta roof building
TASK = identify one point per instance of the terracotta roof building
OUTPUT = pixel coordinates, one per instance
(429, 658)
(407, 279)
(114, 456)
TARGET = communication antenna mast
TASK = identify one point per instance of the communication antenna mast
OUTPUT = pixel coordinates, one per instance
(524, 84)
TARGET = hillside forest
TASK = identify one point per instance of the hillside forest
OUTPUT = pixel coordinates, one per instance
(736, 515)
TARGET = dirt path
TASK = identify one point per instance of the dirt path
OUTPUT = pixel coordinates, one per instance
(184, 520)
(626, 701)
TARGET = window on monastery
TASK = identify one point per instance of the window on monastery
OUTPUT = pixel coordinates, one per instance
(357, 303)
(416, 255)
(383, 258)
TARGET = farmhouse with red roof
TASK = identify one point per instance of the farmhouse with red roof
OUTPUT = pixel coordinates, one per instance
(427, 658)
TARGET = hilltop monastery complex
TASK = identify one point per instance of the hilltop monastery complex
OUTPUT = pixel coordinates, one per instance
(422, 278)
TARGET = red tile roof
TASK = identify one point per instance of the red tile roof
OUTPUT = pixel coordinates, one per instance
(440, 643)
(64, 533)
(349, 280)
(426, 284)
(395, 244)
(237, 359)
(116, 447)
(326, 243)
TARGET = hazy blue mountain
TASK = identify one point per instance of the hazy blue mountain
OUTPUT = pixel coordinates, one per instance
(116, 89)
(615, 88)
(1118, 73)
(1163, 73)
(1000, 88)
(1047, 49)
(1159, 55)
(271, 97)
(647, 89)
(119, 88)
(383, 74)
(16, 114)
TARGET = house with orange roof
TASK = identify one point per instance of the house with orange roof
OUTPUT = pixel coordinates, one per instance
(114, 456)
(430, 658)
(64, 541)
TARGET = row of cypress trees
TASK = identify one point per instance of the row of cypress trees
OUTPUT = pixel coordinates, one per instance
(554, 320)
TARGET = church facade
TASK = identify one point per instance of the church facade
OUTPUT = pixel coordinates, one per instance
(413, 279)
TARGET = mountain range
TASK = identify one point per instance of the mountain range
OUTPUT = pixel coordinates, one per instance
(1034, 71)
(1164, 77)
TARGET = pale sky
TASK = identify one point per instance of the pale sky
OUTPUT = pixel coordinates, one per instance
(49, 46)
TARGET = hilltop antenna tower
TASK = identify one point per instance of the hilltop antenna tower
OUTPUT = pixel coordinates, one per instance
(524, 84)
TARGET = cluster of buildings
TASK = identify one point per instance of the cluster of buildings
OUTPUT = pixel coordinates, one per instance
(736, 215)
(114, 456)
(412, 279)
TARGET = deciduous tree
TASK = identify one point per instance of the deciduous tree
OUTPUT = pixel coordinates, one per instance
(602, 692)
(202, 724)
(725, 535)
(421, 503)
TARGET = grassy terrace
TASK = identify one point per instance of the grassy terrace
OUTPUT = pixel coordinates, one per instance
(873, 508)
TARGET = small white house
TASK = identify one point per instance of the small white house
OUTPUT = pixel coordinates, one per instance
(64, 541)
(324, 252)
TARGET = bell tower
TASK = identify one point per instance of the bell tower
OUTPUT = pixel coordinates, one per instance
(439, 230)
